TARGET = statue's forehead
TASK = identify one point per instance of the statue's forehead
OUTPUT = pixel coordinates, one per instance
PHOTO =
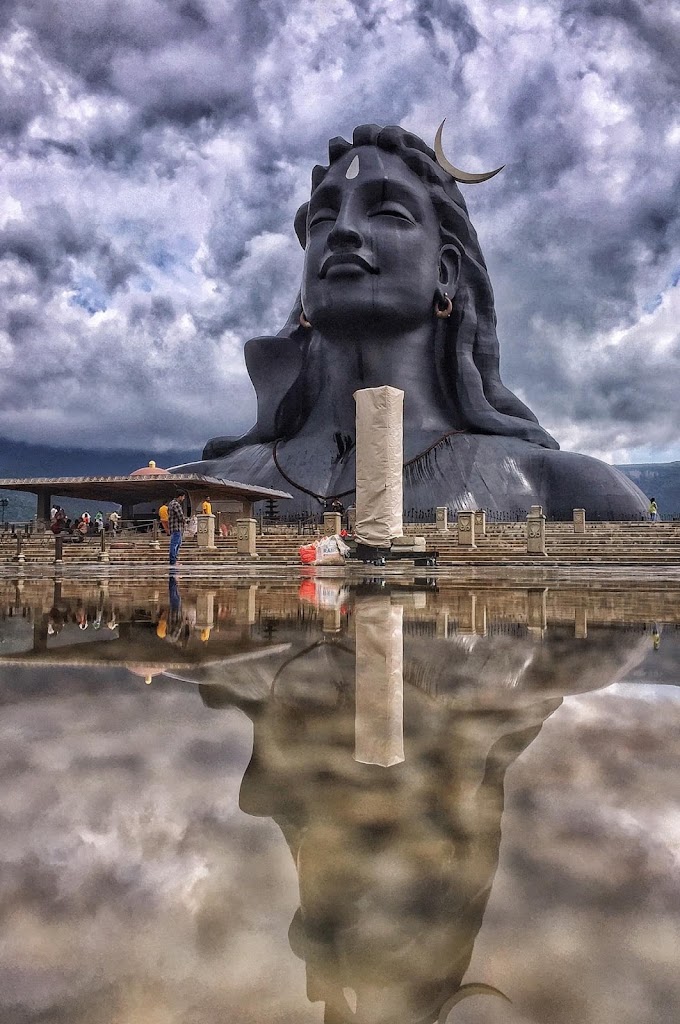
(368, 162)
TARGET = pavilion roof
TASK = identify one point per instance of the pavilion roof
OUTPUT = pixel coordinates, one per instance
(136, 489)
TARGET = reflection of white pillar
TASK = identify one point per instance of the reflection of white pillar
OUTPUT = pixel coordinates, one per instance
(379, 722)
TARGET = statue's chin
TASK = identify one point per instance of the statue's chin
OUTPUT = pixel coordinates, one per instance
(369, 320)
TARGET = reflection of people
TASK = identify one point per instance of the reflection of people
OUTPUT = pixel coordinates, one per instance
(176, 523)
(656, 637)
(175, 599)
(395, 291)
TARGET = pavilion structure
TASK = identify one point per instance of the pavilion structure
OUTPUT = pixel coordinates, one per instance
(148, 485)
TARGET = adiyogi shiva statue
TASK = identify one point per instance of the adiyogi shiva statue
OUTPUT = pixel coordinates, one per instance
(395, 291)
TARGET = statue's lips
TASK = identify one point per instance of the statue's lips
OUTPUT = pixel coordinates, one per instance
(346, 259)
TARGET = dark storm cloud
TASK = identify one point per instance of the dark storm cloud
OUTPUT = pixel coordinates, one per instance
(154, 154)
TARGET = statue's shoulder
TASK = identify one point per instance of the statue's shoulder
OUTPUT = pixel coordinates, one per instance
(572, 480)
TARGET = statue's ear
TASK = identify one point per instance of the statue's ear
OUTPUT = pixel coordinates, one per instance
(300, 223)
(449, 268)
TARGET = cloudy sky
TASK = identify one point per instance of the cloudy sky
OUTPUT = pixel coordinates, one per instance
(154, 153)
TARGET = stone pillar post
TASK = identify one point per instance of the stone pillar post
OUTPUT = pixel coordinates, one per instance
(536, 531)
(442, 519)
(103, 552)
(245, 538)
(581, 622)
(245, 610)
(331, 620)
(44, 506)
(537, 612)
(480, 523)
(332, 523)
(480, 617)
(205, 609)
(205, 537)
(467, 614)
(466, 529)
(58, 550)
(579, 520)
(19, 556)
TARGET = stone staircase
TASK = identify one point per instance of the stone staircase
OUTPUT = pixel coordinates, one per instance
(609, 543)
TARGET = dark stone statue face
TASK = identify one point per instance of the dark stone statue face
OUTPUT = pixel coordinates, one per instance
(373, 246)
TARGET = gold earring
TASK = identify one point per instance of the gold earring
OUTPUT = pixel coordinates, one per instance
(304, 322)
(444, 313)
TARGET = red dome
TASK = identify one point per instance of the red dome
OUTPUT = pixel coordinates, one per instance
(151, 470)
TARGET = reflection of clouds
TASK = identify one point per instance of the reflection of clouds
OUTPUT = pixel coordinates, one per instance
(124, 871)
(588, 868)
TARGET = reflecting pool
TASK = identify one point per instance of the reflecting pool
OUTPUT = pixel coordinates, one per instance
(381, 803)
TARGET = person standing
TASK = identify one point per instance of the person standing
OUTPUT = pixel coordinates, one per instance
(176, 523)
(653, 510)
(163, 516)
(206, 507)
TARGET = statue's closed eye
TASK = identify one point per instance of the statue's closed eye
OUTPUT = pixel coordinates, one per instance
(323, 215)
(392, 209)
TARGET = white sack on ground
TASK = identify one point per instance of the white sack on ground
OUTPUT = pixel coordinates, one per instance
(379, 721)
(379, 459)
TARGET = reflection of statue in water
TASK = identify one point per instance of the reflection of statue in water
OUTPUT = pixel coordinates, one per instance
(396, 864)
(395, 291)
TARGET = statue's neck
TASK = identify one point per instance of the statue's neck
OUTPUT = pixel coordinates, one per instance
(405, 361)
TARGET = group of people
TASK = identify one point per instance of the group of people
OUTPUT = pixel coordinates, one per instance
(83, 525)
(190, 524)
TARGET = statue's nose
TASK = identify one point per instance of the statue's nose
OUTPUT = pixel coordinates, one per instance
(346, 233)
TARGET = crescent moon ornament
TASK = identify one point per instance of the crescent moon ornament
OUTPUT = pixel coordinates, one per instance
(463, 176)
(465, 991)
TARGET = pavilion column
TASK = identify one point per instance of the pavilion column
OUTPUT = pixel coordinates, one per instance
(44, 506)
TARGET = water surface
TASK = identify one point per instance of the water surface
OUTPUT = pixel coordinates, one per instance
(371, 804)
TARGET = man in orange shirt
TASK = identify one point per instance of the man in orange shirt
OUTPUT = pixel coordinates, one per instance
(163, 516)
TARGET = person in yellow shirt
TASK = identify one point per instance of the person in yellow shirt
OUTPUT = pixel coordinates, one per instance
(163, 516)
(206, 507)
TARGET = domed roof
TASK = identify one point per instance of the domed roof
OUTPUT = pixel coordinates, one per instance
(151, 470)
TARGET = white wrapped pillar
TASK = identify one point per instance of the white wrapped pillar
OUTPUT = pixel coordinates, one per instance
(379, 460)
